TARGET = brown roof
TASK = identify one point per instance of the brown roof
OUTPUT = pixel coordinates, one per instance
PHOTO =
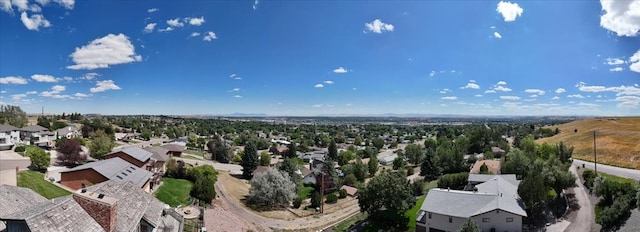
(260, 169)
(174, 147)
(493, 165)
(351, 191)
(305, 171)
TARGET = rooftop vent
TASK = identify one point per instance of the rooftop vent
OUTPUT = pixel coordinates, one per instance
(100, 196)
(83, 190)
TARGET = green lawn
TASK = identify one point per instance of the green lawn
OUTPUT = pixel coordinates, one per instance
(412, 213)
(305, 192)
(346, 224)
(633, 183)
(35, 181)
(174, 192)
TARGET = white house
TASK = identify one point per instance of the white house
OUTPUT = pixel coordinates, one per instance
(494, 205)
(68, 132)
(39, 135)
(9, 136)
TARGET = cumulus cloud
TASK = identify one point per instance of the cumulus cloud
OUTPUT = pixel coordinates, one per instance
(588, 104)
(501, 88)
(377, 26)
(152, 10)
(614, 61)
(175, 22)
(560, 90)
(5, 5)
(237, 96)
(501, 83)
(105, 85)
(575, 96)
(535, 91)
(471, 85)
(449, 98)
(255, 4)
(103, 52)
(149, 28)
(432, 73)
(497, 35)
(167, 29)
(478, 95)
(619, 90)
(628, 101)
(444, 91)
(510, 98)
(490, 91)
(616, 69)
(55, 92)
(235, 90)
(328, 82)
(209, 35)
(340, 70)
(44, 78)
(195, 34)
(196, 21)
(18, 97)
(509, 11)
(555, 98)
(318, 86)
(34, 22)
(89, 76)
(621, 17)
(13, 80)
(635, 62)
(81, 95)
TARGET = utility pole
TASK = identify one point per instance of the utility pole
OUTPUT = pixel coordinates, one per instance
(322, 192)
(595, 160)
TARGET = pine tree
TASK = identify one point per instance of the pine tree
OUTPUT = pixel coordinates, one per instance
(333, 150)
(250, 160)
(428, 168)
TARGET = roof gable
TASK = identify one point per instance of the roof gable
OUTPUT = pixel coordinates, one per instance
(8, 128)
(118, 170)
(14, 199)
(34, 128)
(135, 152)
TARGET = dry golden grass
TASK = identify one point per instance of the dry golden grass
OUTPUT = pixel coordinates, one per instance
(617, 139)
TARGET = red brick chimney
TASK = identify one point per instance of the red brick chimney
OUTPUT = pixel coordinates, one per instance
(100, 207)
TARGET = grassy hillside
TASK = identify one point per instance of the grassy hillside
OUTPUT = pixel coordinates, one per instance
(617, 140)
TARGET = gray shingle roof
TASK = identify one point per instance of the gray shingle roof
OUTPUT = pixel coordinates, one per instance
(8, 128)
(511, 178)
(34, 128)
(66, 129)
(159, 153)
(495, 193)
(135, 152)
(14, 199)
(118, 170)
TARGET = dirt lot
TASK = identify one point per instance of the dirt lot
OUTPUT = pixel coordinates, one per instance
(218, 219)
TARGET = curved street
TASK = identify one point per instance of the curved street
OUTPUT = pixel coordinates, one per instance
(616, 171)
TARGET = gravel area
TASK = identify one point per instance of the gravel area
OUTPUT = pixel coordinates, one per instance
(633, 223)
(217, 218)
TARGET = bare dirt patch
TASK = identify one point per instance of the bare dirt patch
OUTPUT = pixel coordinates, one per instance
(217, 218)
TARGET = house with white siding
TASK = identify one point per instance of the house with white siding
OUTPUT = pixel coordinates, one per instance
(9, 136)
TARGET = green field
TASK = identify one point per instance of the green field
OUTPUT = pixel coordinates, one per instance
(174, 192)
(36, 182)
(305, 192)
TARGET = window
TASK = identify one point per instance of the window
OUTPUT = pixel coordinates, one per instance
(429, 215)
(509, 219)
(486, 220)
(450, 219)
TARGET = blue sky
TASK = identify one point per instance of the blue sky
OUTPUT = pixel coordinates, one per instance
(321, 57)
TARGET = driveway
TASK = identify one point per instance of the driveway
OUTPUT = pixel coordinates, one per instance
(616, 171)
(231, 168)
(11, 160)
(581, 210)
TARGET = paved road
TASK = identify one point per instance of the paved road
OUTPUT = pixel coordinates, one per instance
(616, 171)
(584, 216)
(231, 168)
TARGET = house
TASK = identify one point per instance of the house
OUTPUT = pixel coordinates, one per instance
(260, 170)
(492, 165)
(137, 156)
(351, 191)
(175, 149)
(38, 135)
(9, 136)
(161, 155)
(497, 152)
(109, 206)
(388, 159)
(475, 156)
(308, 177)
(279, 150)
(68, 132)
(494, 205)
(116, 169)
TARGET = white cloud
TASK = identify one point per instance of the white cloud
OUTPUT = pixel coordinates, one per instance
(255, 4)
(490, 91)
(18, 97)
(478, 95)
(66, 3)
(317, 106)
(328, 82)
(620, 90)
(81, 95)
(105, 85)
(149, 28)
(55, 92)
(44, 78)
(318, 86)
(509, 11)
(237, 96)
(209, 35)
(432, 73)
(621, 17)
(102, 52)
(31, 92)
(470, 85)
(195, 34)
(235, 90)
(535, 91)
(165, 29)
(67, 78)
(378, 26)
(533, 96)
(560, 90)
(196, 21)
(89, 76)
(443, 91)
(497, 35)
(34, 22)
(449, 98)
(628, 101)
(510, 98)
(13, 80)
(502, 88)
(555, 98)
(635, 62)
(152, 10)
(340, 70)
(175, 22)
(616, 69)
(588, 104)
(501, 83)
(22, 5)
(614, 61)
(575, 96)
(5, 5)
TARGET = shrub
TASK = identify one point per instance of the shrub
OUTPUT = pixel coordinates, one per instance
(297, 202)
(454, 181)
(20, 149)
(350, 180)
(409, 171)
(316, 199)
(342, 193)
(588, 176)
(332, 198)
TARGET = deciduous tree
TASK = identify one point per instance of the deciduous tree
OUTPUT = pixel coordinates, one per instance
(414, 153)
(386, 197)
(271, 189)
(69, 153)
(40, 159)
(101, 144)
(13, 115)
